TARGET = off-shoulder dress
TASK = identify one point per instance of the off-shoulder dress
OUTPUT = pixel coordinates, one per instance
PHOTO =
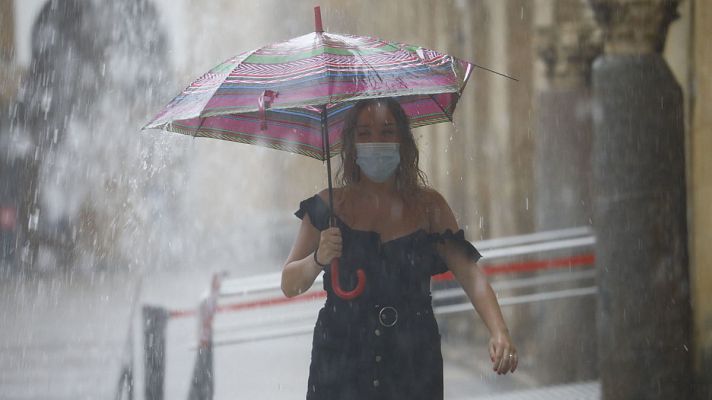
(384, 344)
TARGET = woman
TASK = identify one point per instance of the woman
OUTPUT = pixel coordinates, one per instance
(385, 343)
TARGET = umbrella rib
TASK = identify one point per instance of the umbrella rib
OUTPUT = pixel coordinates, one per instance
(202, 120)
(449, 117)
(363, 59)
(217, 87)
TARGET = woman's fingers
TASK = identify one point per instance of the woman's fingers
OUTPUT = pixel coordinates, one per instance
(503, 361)
(506, 361)
(510, 361)
(499, 355)
(503, 355)
(333, 235)
(330, 244)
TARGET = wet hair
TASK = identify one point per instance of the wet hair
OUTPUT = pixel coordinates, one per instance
(409, 178)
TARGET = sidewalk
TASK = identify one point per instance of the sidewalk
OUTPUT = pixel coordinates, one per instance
(64, 340)
(574, 391)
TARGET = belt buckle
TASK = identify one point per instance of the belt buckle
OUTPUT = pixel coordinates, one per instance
(382, 317)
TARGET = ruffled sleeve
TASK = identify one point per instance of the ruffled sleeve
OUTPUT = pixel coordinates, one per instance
(457, 238)
(317, 210)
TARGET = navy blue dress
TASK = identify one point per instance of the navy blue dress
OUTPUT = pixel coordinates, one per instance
(384, 344)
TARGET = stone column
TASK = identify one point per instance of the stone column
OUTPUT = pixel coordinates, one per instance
(563, 133)
(701, 197)
(500, 165)
(8, 73)
(638, 164)
(7, 28)
(567, 41)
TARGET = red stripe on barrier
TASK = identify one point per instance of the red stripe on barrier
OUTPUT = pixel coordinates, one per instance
(273, 301)
(181, 313)
(496, 269)
(254, 304)
(529, 266)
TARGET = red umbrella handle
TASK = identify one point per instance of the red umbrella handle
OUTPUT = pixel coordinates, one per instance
(346, 295)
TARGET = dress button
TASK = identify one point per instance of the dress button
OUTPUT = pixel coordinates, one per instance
(377, 332)
(376, 383)
(378, 358)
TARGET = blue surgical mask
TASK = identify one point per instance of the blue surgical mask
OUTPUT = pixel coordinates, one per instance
(378, 160)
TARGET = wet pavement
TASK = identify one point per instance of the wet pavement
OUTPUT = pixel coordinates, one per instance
(62, 338)
(65, 339)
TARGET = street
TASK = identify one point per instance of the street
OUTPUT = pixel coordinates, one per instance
(65, 340)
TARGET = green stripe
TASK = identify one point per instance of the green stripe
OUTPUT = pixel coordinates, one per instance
(280, 59)
(411, 48)
(223, 68)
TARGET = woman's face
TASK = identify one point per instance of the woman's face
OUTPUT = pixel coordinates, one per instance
(376, 123)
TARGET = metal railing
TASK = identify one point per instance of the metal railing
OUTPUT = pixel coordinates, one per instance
(264, 291)
(512, 262)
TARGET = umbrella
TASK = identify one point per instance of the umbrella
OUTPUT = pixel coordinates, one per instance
(294, 95)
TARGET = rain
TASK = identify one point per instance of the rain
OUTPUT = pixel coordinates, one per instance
(141, 263)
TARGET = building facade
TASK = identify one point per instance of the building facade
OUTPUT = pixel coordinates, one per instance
(517, 160)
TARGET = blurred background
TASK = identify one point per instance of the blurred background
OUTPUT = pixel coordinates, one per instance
(605, 134)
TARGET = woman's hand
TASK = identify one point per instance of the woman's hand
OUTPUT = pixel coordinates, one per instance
(503, 353)
(329, 245)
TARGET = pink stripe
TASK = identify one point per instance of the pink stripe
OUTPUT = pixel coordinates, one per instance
(339, 92)
(252, 127)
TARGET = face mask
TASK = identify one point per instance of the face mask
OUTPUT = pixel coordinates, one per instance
(378, 160)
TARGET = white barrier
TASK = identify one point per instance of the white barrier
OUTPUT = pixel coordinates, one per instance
(290, 317)
(247, 299)
(491, 249)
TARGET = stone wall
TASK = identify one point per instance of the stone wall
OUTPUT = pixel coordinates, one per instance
(9, 73)
(700, 145)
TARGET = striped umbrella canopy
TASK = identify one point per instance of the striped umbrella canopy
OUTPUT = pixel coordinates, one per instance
(294, 95)
(280, 95)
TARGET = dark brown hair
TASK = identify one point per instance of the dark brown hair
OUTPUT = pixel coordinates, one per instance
(409, 178)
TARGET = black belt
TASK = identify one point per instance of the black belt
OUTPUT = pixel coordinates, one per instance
(389, 315)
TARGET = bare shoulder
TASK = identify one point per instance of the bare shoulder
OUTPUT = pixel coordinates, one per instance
(338, 194)
(339, 197)
(432, 200)
(324, 194)
(439, 214)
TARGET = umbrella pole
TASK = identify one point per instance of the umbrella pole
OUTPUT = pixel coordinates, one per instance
(360, 274)
(327, 153)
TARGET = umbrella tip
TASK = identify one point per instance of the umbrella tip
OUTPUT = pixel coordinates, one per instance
(317, 20)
